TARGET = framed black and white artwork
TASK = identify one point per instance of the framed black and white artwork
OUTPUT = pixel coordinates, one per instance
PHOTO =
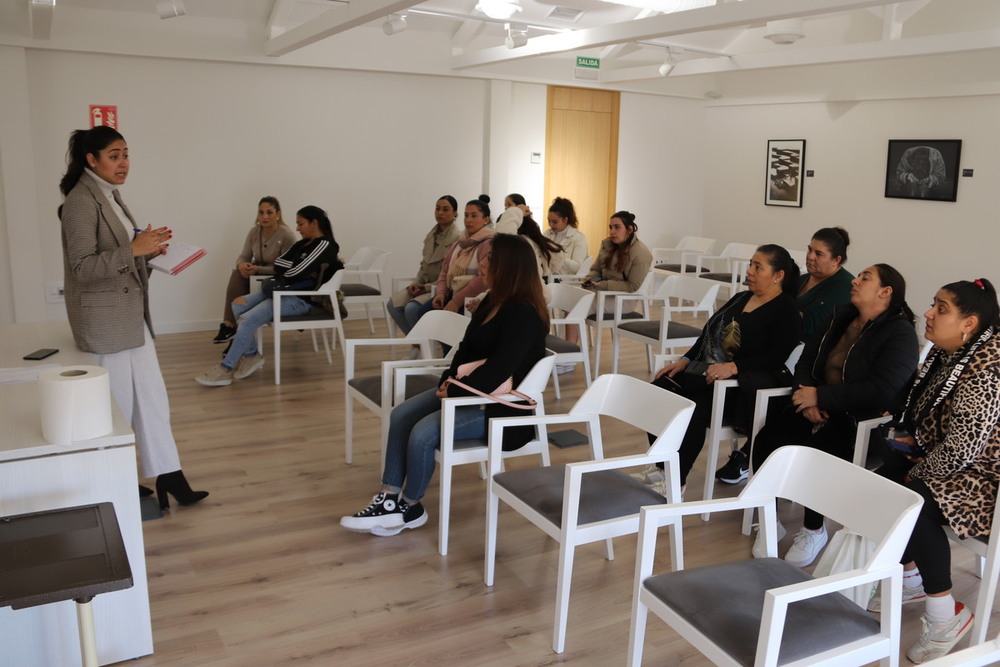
(785, 160)
(923, 169)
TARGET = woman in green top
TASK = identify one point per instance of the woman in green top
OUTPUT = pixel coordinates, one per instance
(826, 283)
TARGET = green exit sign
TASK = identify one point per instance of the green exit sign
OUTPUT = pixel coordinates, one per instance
(593, 63)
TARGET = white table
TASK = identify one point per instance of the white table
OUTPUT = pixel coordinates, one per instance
(37, 476)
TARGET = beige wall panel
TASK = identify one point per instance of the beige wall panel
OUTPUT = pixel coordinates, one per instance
(582, 150)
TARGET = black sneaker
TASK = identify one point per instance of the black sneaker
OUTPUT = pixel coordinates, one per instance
(414, 516)
(737, 470)
(226, 333)
(384, 510)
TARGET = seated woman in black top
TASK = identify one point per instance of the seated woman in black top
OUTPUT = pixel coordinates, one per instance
(857, 366)
(507, 330)
(750, 336)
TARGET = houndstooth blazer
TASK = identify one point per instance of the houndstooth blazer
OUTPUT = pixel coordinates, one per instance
(106, 288)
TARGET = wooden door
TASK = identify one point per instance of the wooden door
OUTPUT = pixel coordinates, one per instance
(581, 145)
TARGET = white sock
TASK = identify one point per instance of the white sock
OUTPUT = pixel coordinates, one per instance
(941, 609)
(912, 579)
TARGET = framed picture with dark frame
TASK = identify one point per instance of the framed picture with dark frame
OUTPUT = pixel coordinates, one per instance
(923, 169)
(785, 160)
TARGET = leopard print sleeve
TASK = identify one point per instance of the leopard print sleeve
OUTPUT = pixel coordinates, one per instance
(956, 437)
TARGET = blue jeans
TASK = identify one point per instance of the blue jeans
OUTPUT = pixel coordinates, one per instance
(255, 313)
(414, 434)
(406, 316)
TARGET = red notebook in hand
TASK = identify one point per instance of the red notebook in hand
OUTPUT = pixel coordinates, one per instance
(179, 256)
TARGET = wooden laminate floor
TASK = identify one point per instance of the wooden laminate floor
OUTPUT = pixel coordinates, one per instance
(261, 572)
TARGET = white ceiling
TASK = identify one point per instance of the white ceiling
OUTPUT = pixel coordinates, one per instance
(919, 47)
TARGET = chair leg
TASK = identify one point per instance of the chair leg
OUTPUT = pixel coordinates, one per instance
(348, 427)
(326, 346)
(371, 324)
(555, 382)
(637, 632)
(492, 510)
(277, 356)
(563, 581)
(444, 506)
(609, 549)
(615, 338)
(597, 351)
(482, 470)
(315, 344)
(711, 461)
(88, 639)
(984, 603)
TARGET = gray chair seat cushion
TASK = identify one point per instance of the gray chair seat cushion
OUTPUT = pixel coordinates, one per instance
(605, 494)
(312, 315)
(721, 277)
(726, 602)
(358, 289)
(370, 386)
(560, 345)
(610, 316)
(651, 329)
(676, 268)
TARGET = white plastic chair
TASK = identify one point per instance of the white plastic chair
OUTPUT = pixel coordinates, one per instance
(375, 392)
(982, 655)
(719, 431)
(728, 268)
(762, 611)
(366, 267)
(314, 319)
(676, 260)
(452, 453)
(666, 333)
(601, 319)
(573, 277)
(575, 302)
(591, 500)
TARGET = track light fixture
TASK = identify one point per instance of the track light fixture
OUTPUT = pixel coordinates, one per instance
(517, 35)
(671, 60)
(168, 9)
(394, 24)
(785, 31)
(498, 9)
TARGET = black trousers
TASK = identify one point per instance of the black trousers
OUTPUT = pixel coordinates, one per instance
(929, 546)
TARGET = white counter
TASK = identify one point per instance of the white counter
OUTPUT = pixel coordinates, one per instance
(35, 476)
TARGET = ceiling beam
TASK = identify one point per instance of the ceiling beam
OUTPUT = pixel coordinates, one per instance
(718, 17)
(827, 55)
(40, 17)
(333, 21)
(281, 14)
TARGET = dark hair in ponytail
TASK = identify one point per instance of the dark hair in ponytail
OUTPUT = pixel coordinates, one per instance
(779, 260)
(529, 229)
(836, 239)
(564, 209)
(483, 204)
(979, 298)
(319, 215)
(82, 143)
(518, 199)
(620, 255)
(890, 277)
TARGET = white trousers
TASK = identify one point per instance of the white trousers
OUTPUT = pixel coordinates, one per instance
(137, 386)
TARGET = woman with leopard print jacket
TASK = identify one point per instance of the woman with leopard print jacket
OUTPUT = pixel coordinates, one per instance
(953, 412)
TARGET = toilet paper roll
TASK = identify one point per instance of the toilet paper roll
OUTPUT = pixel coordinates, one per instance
(74, 403)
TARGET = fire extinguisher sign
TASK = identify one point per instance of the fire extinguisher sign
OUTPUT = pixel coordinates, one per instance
(104, 114)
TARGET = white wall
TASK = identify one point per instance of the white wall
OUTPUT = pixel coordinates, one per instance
(931, 243)
(661, 166)
(208, 139)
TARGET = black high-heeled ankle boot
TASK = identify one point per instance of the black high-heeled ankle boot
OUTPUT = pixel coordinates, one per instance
(177, 486)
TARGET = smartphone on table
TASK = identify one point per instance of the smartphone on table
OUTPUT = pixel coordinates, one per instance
(39, 354)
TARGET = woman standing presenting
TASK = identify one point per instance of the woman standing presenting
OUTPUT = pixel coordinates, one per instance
(107, 298)
(267, 240)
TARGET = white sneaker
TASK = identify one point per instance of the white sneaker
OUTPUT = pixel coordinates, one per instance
(216, 376)
(650, 475)
(914, 594)
(758, 550)
(661, 488)
(414, 353)
(248, 365)
(562, 369)
(936, 639)
(806, 546)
